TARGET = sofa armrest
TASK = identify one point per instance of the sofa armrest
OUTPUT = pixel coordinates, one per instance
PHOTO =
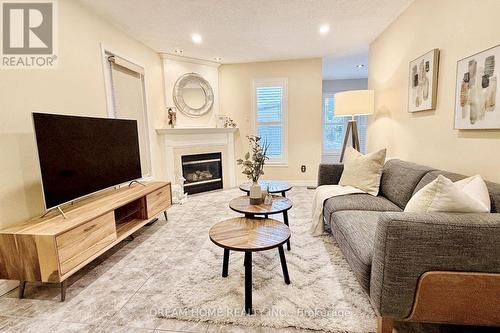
(329, 174)
(410, 244)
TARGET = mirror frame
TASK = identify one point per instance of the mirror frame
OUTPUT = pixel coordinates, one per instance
(179, 102)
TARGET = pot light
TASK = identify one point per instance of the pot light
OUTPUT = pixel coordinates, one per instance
(324, 29)
(196, 38)
(218, 59)
(178, 51)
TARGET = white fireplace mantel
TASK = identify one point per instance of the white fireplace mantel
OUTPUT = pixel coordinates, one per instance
(195, 140)
(195, 130)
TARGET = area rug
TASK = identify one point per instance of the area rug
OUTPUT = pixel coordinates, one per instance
(323, 295)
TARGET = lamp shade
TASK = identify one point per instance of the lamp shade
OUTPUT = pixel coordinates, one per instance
(354, 102)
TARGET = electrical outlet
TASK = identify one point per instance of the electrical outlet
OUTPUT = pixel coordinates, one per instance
(303, 168)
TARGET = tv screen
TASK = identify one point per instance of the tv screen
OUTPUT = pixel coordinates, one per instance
(82, 155)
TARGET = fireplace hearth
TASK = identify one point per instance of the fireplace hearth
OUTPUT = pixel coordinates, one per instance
(203, 172)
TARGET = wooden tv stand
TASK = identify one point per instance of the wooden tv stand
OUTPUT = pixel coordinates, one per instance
(52, 248)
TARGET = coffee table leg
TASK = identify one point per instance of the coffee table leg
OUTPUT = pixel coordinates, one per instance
(285, 219)
(248, 282)
(225, 263)
(283, 264)
(283, 194)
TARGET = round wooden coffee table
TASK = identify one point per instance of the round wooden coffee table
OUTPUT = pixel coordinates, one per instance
(250, 235)
(279, 205)
(275, 186)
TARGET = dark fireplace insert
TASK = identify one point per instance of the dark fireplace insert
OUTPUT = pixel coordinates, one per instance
(203, 172)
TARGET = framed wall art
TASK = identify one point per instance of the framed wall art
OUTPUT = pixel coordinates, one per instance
(477, 102)
(423, 82)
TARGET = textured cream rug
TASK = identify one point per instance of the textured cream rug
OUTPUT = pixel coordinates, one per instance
(323, 294)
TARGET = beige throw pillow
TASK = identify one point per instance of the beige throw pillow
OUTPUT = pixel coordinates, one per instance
(469, 195)
(363, 171)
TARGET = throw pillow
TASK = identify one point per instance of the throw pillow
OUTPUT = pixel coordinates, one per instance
(469, 195)
(363, 171)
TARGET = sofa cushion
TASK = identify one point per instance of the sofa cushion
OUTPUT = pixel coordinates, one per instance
(354, 232)
(493, 188)
(399, 180)
(361, 201)
(363, 171)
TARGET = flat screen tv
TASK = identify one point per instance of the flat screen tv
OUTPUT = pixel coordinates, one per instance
(82, 155)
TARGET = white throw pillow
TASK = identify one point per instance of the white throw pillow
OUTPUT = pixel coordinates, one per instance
(469, 195)
(363, 171)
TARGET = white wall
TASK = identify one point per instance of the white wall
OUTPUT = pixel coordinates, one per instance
(459, 28)
(173, 68)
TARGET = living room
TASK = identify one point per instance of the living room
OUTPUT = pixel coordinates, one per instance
(249, 166)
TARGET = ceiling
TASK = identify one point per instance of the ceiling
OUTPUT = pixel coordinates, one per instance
(257, 30)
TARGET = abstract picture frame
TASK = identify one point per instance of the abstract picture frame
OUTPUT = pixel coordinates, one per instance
(423, 82)
(477, 100)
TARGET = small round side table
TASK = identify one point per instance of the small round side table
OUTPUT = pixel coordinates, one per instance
(279, 205)
(275, 186)
(250, 235)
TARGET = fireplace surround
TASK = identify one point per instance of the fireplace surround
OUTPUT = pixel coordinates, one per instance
(203, 172)
(179, 142)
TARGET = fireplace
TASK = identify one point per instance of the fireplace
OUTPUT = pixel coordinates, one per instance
(203, 172)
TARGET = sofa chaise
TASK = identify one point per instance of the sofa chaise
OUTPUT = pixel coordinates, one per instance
(422, 267)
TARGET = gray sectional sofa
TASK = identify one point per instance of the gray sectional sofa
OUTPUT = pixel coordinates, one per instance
(390, 250)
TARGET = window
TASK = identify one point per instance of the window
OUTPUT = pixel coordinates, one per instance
(270, 111)
(127, 92)
(334, 131)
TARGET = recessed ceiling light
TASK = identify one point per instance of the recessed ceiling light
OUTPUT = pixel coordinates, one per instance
(360, 66)
(324, 29)
(178, 51)
(196, 38)
(218, 59)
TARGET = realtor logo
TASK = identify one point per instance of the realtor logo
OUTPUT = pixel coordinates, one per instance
(28, 34)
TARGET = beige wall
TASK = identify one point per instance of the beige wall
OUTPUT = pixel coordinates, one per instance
(304, 112)
(75, 87)
(459, 28)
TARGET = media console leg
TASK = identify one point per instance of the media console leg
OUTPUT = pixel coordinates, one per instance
(153, 221)
(165, 214)
(64, 284)
(22, 286)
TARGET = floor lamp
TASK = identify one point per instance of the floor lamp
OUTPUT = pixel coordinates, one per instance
(353, 103)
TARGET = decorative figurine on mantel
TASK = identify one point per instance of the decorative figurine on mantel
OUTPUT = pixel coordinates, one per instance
(172, 117)
(253, 166)
(229, 123)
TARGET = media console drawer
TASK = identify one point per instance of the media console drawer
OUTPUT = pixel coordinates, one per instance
(158, 201)
(80, 243)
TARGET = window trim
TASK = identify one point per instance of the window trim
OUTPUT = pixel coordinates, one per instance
(272, 82)
(323, 123)
(110, 104)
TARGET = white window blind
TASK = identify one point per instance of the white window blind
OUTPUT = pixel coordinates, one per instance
(127, 85)
(334, 131)
(270, 109)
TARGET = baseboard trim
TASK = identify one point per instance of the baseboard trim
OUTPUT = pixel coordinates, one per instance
(7, 286)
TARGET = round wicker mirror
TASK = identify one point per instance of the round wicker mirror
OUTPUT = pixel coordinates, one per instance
(193, 95)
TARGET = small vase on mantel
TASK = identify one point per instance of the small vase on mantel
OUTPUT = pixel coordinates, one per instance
(255, 194)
